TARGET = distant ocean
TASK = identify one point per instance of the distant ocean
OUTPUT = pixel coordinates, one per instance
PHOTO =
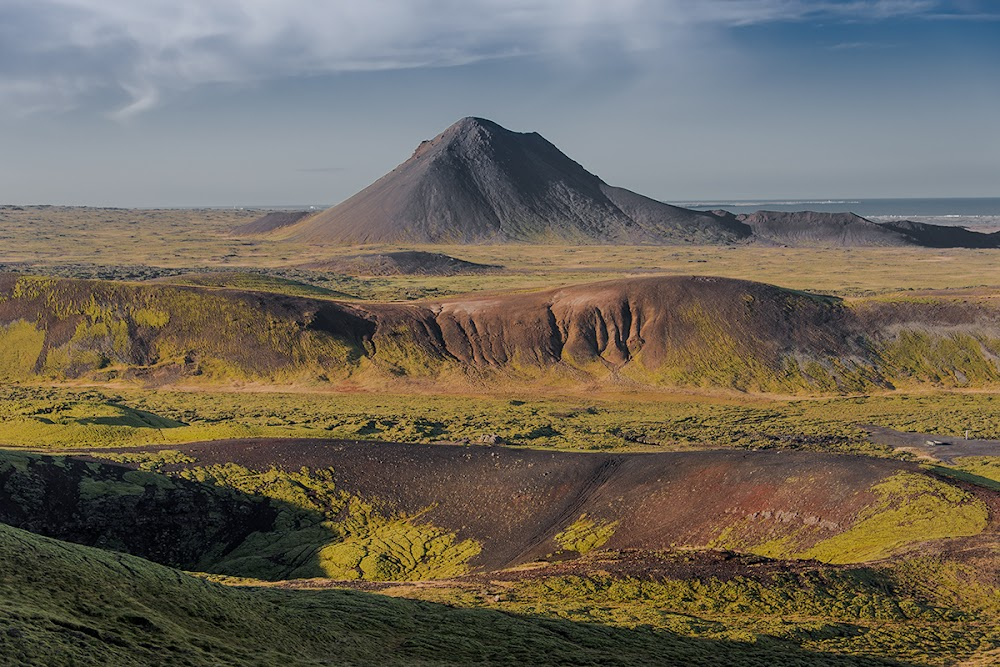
(980, 212)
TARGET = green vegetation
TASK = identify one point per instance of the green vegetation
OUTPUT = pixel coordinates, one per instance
(62, 604)
(67, 418)
(305, 527)
(910, 508)
(906, 508)
(104, 331)
(20, 345)
(318, 530)
(957, 360)
(255, 282)
(919, 612)
(72, 605)
(821, 616)
(586, 534)
(984, 466)
(129, 331)
(149, 461)
(352, 538)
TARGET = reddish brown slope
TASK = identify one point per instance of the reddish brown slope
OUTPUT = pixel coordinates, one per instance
(664, 331)
(515, 501)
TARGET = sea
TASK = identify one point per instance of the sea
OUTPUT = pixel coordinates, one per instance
(980, 213)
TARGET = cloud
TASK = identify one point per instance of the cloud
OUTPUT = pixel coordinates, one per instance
(861, 46)
(130, 55)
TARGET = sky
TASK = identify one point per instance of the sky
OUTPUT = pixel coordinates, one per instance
(150, 103)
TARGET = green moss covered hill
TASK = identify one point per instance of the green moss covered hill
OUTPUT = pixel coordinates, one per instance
(66, 604)
(387, 512)
(679, 331)
(63, 604)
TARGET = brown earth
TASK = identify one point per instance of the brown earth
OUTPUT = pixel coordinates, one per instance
(515, 501)
(403, 262)
(668, 331)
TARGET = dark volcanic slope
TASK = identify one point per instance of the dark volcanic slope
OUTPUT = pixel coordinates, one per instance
(805, 228)
(809, 228)
(270, 222)
(942, 236)
(404, 262)
(478, 182)
(515, 501)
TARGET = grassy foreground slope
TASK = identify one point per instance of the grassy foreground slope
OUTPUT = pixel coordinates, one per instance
(923, 610)
(659, 332)
(63, 604)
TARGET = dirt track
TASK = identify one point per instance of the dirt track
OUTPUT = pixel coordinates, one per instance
(947, 451)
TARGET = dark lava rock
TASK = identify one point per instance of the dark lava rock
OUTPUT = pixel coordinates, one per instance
(478, 182)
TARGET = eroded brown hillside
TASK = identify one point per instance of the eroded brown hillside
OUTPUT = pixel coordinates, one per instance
(659, 332)
(375, 510)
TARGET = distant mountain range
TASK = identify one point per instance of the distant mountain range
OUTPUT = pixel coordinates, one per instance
(478, 182)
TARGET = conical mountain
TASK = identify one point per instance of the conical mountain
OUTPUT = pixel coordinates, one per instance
(478, 182)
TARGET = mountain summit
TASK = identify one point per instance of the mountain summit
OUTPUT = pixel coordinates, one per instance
(478, 182)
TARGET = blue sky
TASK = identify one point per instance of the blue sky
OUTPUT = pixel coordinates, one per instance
(273, 102)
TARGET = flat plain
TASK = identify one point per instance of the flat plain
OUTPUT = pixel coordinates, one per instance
(91, 243)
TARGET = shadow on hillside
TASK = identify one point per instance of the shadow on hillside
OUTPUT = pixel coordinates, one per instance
(198, 526)
(103, 609)
(133, 418)
(182, 523)
(965, 476)
(435, 633)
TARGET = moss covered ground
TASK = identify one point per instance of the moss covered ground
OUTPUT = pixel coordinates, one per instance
(586, 534)
(300, 524)
(67, 418)
(75, 241)
(910, 508)
(921, 611)
(63, 604)
(911, 612)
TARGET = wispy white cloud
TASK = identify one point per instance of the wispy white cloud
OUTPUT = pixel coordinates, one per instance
(56, 53)
(979, 17)
(861, 46)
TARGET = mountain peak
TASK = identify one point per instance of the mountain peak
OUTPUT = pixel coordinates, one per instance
(466, 131)
(478, 182)
(474, 123)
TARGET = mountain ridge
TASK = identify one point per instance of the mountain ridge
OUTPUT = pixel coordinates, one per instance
(478, 182)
